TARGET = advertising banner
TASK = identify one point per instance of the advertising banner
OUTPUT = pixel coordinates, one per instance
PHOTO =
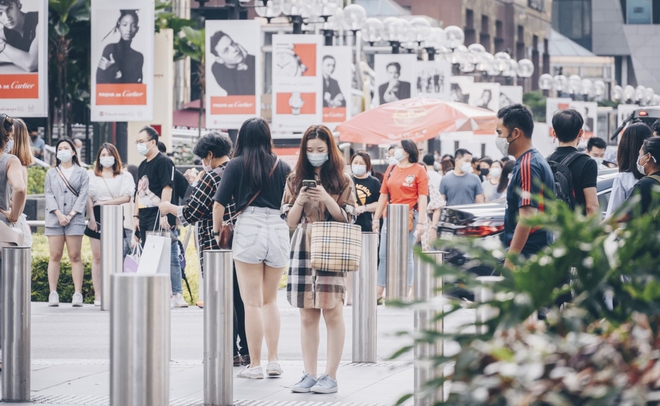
(24, 58)
(395, 74)
(588, 110)
(233, 87)
(297, 82)
(122, 60)
(510, 95)
(461, 86)
(337, 77)
(432, 79)
(485, 95)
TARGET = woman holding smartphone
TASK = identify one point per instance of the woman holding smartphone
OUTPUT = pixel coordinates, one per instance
(318, 190)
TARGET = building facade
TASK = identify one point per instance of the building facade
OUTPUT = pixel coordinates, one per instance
(520, 27)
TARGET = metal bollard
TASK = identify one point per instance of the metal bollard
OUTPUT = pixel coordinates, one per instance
(112, 248)
(482, 295)
(16, 288)
(218, 328)
(426, 288)
(364, 302)
(397, 251)
(140, 340)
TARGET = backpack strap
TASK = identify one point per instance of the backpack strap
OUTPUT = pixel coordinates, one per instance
(570, 158)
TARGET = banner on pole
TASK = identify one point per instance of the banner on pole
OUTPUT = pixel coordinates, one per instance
(233, 87)
(24, 58)
(122, 60)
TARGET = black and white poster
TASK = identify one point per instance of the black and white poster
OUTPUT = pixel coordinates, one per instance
(122, 60)
(433, 79)
(233, 88)
(395, 75)
(24, 58)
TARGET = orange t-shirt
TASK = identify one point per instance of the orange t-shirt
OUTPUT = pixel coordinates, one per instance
(405, 185)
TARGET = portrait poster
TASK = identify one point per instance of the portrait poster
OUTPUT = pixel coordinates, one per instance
(395, 74)
(588, 110)
(233, 58)
(297, 82)
(460, 88)
(337, 78)
(24, 58)
(432, 79)
(122, 60)
(510, 95)
(485, 95)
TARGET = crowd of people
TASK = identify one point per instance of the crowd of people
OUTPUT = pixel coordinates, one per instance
(247, 185)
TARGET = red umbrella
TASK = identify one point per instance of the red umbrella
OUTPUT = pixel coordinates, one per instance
(416, 119)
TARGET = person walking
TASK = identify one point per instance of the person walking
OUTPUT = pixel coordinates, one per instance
(648, 163)
(462, 186)
(331, 197)
(214, 149)
(631, 141)
(404, 183)
(156, 185)
(492, 181)
(255, 179)
(19, 146)
(66, 190)
(109, 185)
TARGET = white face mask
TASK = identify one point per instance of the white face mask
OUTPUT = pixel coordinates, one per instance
(107, 161)
(502, 145)
(317, 159)
(495, 172)
(9, 146)
(398, 154)
(599, 161)
(466, 167)
(359, 170)
(142, 148)
(64, 155)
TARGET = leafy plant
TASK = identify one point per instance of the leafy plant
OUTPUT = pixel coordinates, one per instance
(600, 347)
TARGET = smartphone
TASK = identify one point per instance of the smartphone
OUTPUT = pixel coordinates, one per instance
(309, 183)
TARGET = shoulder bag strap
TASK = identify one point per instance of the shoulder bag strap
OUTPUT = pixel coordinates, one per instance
(238, 213)
(66, 182)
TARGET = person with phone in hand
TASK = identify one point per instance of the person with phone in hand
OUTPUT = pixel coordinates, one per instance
(404, 183)
(318, 190)
(254, 179)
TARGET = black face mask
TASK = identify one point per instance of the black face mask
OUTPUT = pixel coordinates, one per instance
(484, 171)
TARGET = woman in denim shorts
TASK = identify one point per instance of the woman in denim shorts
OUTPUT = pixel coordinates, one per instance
(66, 189)
(255, 180)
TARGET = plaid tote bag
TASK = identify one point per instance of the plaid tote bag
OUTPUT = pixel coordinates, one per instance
(336, 247)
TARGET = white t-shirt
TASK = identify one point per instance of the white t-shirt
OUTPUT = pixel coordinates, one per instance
(103, 189)
(434, 179)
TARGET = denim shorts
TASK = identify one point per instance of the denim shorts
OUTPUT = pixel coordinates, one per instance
(261, 235)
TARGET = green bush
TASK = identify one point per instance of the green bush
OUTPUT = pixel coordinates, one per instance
(36, 180)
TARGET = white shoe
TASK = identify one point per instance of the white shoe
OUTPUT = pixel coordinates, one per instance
(77, 300)
(53, 299)
(252, 373)
(178, 301)
(274, 369)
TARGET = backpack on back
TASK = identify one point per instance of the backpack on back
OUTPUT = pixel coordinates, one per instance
(564, 189)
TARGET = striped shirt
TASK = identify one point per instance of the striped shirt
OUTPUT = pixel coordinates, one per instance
(532, 183)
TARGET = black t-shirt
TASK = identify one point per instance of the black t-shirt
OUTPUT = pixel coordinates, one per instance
(367, 191)
(584, 170)
(235, 184)
(153, 177)
(650, 198)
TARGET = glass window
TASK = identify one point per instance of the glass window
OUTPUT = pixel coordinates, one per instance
(639, 11)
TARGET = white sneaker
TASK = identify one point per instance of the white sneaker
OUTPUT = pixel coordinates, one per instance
(77, 300)
(252, 373)
(53, 299)
(178, 301)
(274, 369)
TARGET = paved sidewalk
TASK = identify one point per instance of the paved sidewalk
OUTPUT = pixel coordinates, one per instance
(70, 360)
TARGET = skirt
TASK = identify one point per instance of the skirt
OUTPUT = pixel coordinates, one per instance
(308, 288)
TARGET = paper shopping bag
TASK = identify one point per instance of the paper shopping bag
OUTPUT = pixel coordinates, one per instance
(156, 255)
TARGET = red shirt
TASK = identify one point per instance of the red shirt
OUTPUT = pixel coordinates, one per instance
(405, 185)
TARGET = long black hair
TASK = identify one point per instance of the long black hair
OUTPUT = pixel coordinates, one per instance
(255, 144)
(74, 154)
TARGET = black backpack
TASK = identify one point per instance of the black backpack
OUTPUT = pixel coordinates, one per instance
(564, 189)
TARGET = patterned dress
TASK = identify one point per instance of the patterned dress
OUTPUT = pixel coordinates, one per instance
(308, 288)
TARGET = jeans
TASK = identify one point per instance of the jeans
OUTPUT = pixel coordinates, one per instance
(382, 266)
(175, 266)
